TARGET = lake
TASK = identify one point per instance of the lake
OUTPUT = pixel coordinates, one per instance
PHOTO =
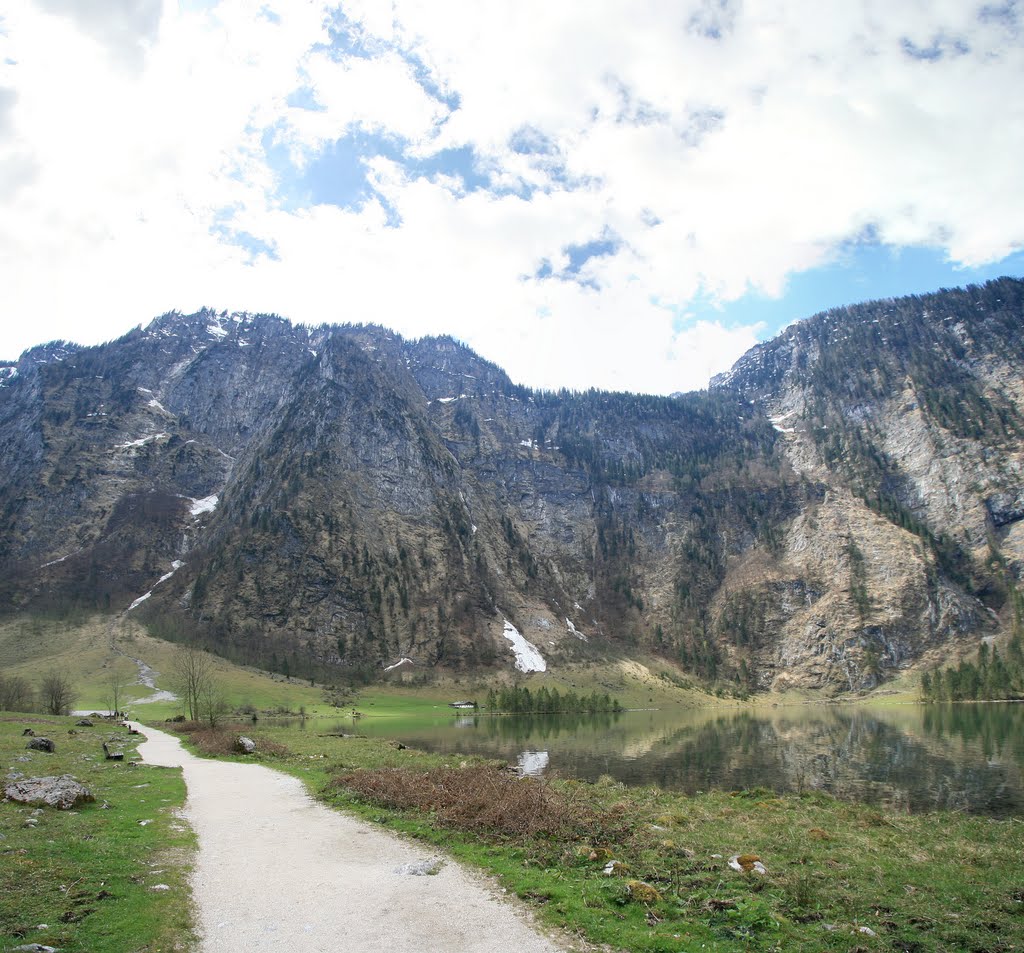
(909, 757)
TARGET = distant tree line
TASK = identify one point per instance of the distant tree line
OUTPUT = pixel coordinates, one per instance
(518, 700)
(991, 678)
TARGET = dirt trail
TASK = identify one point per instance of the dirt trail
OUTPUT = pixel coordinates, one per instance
(277, 871)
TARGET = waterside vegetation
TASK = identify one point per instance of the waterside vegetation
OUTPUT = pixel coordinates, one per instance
(990, 678)
(520, 700)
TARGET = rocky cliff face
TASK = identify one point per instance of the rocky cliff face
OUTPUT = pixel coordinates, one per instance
(846, 502)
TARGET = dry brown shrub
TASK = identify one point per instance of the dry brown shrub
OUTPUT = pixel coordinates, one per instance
(221, 740)
(482, 798)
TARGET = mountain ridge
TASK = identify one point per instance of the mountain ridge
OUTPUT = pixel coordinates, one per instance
(845, 503)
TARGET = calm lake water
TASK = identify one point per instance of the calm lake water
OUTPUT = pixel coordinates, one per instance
(910, 757)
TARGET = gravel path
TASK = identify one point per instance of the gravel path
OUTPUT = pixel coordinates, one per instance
(276, 871)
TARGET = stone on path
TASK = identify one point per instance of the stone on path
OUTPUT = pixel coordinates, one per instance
(62, 793)
(422, 868)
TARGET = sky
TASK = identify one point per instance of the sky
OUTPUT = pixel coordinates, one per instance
(625, 194)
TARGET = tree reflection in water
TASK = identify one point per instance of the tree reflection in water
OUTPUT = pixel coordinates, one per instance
(916, 758)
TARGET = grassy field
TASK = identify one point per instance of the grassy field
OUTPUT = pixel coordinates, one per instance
(838, 876)
(89, 649)
(108, 877)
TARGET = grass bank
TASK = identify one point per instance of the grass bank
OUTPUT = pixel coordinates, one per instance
(107, 877)
(644, 870)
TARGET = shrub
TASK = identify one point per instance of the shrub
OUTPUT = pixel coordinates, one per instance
(481, 798)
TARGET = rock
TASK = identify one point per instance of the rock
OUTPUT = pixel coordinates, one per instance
(28, 733)
(747, 863)
(245, 745)
(615, 868)
(62, 793)
(421, 868)
(84, 723)
(33, 948)
(160, 887)
(642, 892)
(42, 744)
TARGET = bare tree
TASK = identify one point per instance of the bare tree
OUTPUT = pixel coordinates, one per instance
(194, 679)
(212, 703)
(16, 694)
(56, 693)
(117, 682)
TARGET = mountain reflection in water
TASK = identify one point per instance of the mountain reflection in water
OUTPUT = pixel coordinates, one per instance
(910, 757)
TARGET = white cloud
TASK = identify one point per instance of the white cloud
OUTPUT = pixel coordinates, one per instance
(722, 146)
(378, 95)
(125, 27)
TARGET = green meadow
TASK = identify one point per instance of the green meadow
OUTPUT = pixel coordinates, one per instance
(111, 875)
(611, 866)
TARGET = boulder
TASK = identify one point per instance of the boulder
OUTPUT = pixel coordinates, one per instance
(84, 723)
(245, 745)
(42, 744)
(62, 793)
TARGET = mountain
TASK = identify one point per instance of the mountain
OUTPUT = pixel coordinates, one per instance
(846, 502)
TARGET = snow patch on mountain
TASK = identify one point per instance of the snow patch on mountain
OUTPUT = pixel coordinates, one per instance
(574, 631)
(141, 441)
(528, 657)
(206, 505)
(401, 661)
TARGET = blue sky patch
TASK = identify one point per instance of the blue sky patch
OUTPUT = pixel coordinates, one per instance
(579, 255)
(864, 272)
